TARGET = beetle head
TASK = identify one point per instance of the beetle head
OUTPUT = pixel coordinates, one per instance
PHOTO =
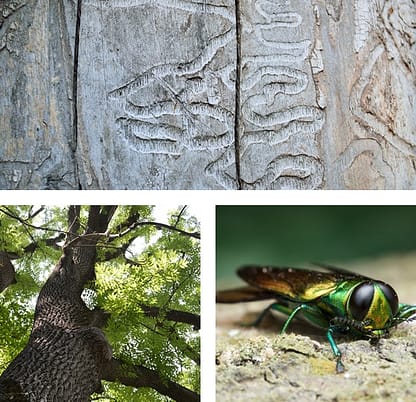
(374, 304)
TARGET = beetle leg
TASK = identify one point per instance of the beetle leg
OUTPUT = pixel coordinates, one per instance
(406, 312)
(310, 312)
(292, 315)
(263, 314)
(329, 334)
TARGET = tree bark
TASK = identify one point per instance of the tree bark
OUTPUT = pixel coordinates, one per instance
(36, 111)
(221, 95)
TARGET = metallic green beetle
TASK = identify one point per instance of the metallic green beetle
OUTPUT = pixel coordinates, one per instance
(338, 300)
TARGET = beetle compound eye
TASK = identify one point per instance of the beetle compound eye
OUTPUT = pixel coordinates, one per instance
(391, 297)
(360, 300)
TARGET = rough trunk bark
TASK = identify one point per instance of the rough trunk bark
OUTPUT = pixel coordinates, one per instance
(208, 95)
(66, 354)
(36, 69)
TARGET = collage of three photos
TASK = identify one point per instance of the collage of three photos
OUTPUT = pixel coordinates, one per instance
(207, 200)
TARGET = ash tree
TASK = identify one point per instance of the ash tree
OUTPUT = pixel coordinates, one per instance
(98, 303)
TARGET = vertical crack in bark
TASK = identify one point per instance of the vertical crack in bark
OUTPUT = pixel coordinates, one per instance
(74, 140)
(237, 121)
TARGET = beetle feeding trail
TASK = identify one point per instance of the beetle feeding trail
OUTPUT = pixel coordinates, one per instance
(281, 118)
(188, 116)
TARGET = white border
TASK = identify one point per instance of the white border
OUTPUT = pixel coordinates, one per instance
(209, 198)
(208, 304)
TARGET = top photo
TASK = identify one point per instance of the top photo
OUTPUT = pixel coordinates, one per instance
(207, 95)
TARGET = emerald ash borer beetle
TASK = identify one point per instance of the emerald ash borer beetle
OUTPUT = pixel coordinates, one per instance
(338, 300)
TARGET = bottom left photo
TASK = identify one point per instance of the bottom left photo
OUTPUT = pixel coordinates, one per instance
(99, 303)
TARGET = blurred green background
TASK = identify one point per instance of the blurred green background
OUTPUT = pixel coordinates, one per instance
(299, 235)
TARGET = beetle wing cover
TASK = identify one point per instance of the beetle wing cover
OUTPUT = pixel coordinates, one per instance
(244, 294)
(295, 284)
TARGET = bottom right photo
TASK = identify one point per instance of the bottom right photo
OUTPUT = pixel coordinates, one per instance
(315, 303)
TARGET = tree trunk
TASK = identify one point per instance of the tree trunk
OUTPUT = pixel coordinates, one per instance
(257, 94)
(36, 74)
(66, 355)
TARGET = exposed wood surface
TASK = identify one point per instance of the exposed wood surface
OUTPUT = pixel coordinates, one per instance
(176, 94)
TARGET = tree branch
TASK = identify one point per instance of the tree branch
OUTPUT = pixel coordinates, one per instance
(33, 214)
(7, 271)
(178, 217)
(24, 222)
(173, 315)
(140, 376)
(195, 235)
(74, 223)
(129, 222)
(99, 218)
(51, 242)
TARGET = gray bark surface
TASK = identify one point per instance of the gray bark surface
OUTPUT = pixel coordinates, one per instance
(180, 94)
(36, 89)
